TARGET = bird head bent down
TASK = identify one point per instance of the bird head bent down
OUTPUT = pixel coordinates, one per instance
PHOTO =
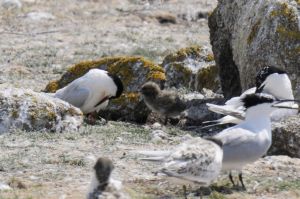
(150, 89)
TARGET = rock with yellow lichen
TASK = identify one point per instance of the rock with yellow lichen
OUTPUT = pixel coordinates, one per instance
(247, 35)
(133, 71)
(193, 68)
(31, 111)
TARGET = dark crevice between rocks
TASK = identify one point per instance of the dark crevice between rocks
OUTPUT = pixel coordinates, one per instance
(228, 71)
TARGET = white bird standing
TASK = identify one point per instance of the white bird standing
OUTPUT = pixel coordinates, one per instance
(251, 139)
(102, 185)
(270, 80)
(196, 161)
(92, 91)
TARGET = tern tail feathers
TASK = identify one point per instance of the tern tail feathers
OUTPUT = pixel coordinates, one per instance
(154, 155)
(215, 108)
(224, 120)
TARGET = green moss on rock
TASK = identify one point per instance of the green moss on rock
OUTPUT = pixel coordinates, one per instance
(208, 77)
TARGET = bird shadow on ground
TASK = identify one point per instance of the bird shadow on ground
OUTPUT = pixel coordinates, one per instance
(223, 189)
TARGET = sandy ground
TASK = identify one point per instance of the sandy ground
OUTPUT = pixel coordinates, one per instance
(35, 50)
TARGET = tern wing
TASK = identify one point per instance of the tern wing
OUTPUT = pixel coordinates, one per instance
(235, 136)
(74, 94)
(241, 146)
(196, 160)
(170, 102)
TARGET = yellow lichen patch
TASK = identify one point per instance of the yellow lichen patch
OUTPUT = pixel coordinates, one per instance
(183, 53)
(157, 75)
(127, 97)
(52, 87)
(123, 68)
(132, 96)
(208, 77)
(283, 32)
(15, 114)
(285, 11)
(51, 115)
(298, 2)
(84, 66)
(253, 32)
(210, 57)
(184, 70)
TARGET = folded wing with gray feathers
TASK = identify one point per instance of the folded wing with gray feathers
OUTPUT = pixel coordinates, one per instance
(170, 102)
(74, 94)
(196, 160)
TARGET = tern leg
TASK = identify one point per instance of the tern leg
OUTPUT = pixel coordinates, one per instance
(201, 194)
(231, 179)
(166, 120)
(184, 191)
(241, 180)
(91, 118)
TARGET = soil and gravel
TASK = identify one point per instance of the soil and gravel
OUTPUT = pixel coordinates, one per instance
(38, 47)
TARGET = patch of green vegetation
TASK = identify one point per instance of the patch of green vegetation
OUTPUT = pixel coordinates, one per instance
(288, 185)
(216, 195)
(150, 54)
(64, 159)
(254, 31)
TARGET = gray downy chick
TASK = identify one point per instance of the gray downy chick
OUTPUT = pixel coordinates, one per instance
(103, 186)
(166, 103)
(102, 171)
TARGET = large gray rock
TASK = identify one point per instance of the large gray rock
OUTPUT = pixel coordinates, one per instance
(286, 137)
(249, 34)
(193, 68)
(31, 111)
(197, 111)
